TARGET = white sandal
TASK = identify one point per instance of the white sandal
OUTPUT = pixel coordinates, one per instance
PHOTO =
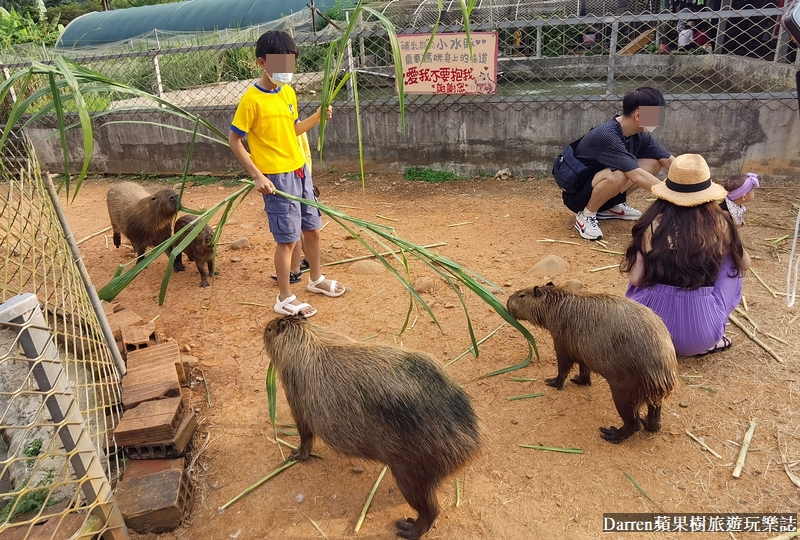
(285, 307)
(312, 287)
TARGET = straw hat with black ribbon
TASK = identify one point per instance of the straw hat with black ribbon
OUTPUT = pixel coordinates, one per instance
(689, 183)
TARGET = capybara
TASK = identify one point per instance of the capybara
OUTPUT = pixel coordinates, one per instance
(200, 250)
(620, 339)
(376, 402)
(144, 218)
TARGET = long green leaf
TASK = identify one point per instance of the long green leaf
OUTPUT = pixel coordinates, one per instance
(60, 120)
(272, 396)
(86, 123)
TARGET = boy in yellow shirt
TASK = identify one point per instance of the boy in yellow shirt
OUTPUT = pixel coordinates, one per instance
(268, 115)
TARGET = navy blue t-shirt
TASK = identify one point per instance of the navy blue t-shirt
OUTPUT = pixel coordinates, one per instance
(606, 147)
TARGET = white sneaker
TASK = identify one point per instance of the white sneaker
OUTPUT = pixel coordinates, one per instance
(620, 211)
(587, 227)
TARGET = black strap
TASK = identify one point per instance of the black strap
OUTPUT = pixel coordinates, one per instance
(688, 188)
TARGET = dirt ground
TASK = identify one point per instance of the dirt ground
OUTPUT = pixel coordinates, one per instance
(496, 228)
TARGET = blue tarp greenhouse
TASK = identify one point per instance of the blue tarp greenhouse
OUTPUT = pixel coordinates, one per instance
(103, 27)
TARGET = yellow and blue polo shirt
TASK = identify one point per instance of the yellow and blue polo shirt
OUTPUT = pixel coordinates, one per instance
(267, 118)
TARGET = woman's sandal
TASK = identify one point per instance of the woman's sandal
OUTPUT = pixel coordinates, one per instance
(285, 307)
(726, 344)
(312, 287)
(294, 277)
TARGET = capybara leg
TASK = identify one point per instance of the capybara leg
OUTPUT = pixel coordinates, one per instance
(203, 276)
(177, 266)
(631, 424)
(117, 239)
(653, 420)
(306, 441)
(211, 270)
(584, 377)
(420, 493)
(564, 365)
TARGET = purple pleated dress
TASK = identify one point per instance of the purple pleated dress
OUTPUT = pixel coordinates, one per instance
(695, 319)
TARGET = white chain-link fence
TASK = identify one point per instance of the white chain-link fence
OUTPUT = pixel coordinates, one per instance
(546, 54)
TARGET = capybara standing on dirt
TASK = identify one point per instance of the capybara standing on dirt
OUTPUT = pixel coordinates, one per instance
(200, 250)
(620, 339)
(144, 218)
(376, 402)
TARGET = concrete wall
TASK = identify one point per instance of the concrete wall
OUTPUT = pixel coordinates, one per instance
(484, 134)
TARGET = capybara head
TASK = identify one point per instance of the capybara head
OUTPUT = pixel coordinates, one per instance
(529, 304)
(164, 203)
(280, 329)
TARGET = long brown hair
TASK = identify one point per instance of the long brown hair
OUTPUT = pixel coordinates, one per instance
(688, 244)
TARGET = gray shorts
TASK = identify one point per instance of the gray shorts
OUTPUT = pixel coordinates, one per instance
(286, 217)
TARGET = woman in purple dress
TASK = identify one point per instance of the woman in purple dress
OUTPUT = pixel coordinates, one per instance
(686, 261)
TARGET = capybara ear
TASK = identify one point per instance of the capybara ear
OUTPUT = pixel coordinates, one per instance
(549, 284)
(537, 291)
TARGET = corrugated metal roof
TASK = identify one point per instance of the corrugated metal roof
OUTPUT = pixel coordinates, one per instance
(103, 27)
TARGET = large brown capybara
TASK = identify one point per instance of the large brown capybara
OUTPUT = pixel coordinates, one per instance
(144, 218)
(200, 250)
(376, 402)
(620, 339)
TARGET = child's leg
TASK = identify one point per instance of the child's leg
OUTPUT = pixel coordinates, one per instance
(312, 252)
(297, 254)
(283, 255)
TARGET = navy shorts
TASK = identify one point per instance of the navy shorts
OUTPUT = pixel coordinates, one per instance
(288, 218)
(577, 201)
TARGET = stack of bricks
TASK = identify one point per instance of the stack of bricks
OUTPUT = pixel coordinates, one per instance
(156, 428)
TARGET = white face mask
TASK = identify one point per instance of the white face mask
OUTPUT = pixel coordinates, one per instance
(649, 129)
(281, 78)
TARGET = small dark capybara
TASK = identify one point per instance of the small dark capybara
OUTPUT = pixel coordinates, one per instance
(376, 402)
(144, 218)
(620, 339)
(200, 250)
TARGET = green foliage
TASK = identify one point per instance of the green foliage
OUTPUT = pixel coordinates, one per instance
(29, 501)
(16, 27)
(429, 175)
(122, 4)
(239, 65)
(312, 58)
(69, 11)
(32, 450)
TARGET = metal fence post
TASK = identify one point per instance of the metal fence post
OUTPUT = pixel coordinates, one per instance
(782, 47)
(538, 42)
(12, 92)
(157, 71)
(612, 58)
(38, 346)
(723, 23)
(349, 61)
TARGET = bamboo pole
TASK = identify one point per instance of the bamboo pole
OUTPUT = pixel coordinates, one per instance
(752, 336)
(763, 283)
(704, 445)
(737, 471)
(98, 233)
(369, 499)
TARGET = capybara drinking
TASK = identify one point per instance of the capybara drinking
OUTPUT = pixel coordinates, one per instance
(621, 340)
(144, 218)
(376, 402)
(200, 250)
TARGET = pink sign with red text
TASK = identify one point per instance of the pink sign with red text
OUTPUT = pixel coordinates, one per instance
(447, 68)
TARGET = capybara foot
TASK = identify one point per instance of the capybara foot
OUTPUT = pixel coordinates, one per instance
(117, 239)
(584, 380)
(655, 426)
(178, 267)
(614, 435)
(300, 454)
(554, 382)
(205, 283)
(407, 529)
